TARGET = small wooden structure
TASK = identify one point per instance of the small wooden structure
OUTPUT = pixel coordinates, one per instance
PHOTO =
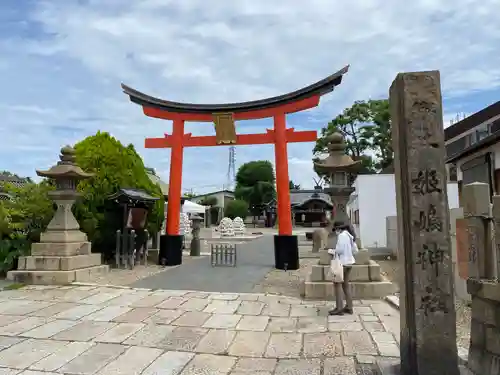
(132, 236)
(223, 254)
(309, 208)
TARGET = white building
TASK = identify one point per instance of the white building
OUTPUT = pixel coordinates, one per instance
(373, 200)
(222, 197)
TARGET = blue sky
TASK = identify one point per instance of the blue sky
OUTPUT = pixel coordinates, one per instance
(62, 62)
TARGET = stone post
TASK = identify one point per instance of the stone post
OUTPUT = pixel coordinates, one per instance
(476, 202)
(496, 234)
(428, 318)
(195, 241)
(482, 284)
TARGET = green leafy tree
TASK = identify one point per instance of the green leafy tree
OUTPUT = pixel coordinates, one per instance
(236, 208)
(293, 186)
(114, 166)
(366, 127)
(22, 220)
(209, 201)
(255, 184)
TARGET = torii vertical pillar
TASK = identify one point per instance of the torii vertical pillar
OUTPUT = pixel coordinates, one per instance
(286, 249)
(173, 240)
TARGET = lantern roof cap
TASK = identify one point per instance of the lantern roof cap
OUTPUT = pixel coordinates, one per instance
(66, 167)
(337, 160)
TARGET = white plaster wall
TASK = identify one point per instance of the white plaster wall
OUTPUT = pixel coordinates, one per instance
(376, 200)
(460, 284)
(391, 235)
(352, 205)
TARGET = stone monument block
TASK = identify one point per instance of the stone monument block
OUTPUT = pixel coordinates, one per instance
(428, 318)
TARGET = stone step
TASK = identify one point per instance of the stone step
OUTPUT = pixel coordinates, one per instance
(57, 277)
(60, 249)
(360, 289)
(359, 272)
(58, 263)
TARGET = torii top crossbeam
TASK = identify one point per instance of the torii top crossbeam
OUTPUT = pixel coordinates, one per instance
(299, 100)
(224, 115)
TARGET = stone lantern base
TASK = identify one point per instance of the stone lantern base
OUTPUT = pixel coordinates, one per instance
(59, 262)
(366, 280)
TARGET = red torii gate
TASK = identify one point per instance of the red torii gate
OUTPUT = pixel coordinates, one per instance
(224, 115)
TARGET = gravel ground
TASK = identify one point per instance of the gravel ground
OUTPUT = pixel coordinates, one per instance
(390, 269)
(125, 277)
(285, 283)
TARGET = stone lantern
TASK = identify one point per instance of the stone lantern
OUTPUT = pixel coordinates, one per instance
(66, 174)
(64, 253)
(366, 278)
(340, 170)
(195, 241)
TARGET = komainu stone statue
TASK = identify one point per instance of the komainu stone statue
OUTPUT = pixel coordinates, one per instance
(238, 226)
(184, 224)
(226, 228)
(320, 237)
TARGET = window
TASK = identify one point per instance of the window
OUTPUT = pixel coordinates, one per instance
(456, 147)
(452, 173)
(471, 139)
(494, 126)
(339, 179)
(356, 217)
(482, 132)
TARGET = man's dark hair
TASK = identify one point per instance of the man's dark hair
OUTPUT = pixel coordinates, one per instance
(343, 226)
(351, 231)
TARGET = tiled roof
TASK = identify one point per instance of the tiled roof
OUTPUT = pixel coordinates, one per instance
(13, 180)
(299, 197)
(134, 194)
(5, 197)
(302, 196)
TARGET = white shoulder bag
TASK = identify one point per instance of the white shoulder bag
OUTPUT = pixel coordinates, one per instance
(337, 269)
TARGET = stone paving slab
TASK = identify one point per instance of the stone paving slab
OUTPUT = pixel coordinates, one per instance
(88, 330)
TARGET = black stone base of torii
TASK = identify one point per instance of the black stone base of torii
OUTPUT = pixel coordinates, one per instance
(286, 252)
(171, 247)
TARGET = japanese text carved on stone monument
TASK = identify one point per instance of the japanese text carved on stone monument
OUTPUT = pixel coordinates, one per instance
(421, 190)
(429, 220)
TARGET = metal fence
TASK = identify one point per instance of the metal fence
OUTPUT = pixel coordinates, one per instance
(223, 254)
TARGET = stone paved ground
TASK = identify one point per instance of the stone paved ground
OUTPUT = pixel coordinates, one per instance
(391, 269)
(102, 330)
(254, 260)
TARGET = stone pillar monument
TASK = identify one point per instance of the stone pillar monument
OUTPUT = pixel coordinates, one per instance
(64, 253)
(367, 281)
(428, 331)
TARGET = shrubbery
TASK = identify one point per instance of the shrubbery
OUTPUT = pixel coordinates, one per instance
(236, 208)
(22, 219)
(114, 166)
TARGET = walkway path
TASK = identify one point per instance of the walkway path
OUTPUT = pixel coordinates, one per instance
(102, 330)
(255, 260)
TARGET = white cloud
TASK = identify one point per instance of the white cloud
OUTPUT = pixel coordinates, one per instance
(62, 67)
